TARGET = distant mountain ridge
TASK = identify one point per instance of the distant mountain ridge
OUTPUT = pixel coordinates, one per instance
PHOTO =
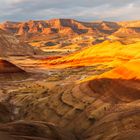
(38, 30)
(61, 26)
(70, 34)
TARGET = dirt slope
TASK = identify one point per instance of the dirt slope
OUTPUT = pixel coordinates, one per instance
(9, 71)
(7, 67)
(30, 130)
(9, 45)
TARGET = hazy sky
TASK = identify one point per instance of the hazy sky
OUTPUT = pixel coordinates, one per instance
(88, 10)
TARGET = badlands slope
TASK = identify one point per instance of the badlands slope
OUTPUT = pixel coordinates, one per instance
(10, 45)
(101, 107)
(7, 67)
(11, 72)
(107, 53)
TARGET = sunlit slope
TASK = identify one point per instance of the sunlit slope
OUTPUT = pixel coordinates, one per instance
(111, 54)
(127, 71)
(130, 70)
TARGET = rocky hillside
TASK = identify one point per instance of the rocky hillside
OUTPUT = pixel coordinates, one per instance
(100, 108)
(33, 130)
(10, 45)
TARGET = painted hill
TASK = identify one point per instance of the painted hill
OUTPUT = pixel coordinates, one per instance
(9, 71)
(7, 67)
(129, 70)
(107, 53)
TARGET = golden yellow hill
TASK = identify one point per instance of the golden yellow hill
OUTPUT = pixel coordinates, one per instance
(111, 54)
(127, 71)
